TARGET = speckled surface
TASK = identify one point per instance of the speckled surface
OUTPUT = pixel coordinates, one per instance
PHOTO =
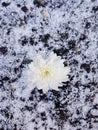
(70, 29)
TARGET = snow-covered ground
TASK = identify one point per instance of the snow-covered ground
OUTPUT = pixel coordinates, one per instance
(68, 28)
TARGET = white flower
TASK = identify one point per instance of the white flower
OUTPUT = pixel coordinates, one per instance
(47, 72)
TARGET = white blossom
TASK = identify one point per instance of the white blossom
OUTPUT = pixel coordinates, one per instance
(47, 72)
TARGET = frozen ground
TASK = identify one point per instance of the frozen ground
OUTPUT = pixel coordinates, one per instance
(70, 29)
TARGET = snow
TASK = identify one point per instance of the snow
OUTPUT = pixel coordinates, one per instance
(68, 28)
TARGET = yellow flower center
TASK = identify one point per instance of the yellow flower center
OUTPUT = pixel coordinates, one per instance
(45, 73)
